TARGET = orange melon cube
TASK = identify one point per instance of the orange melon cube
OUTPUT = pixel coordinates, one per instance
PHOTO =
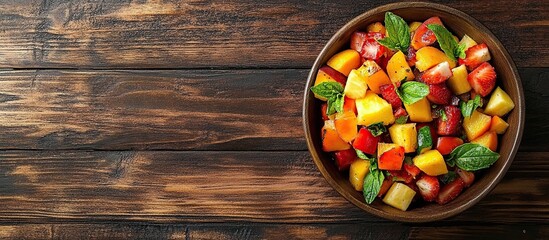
(345, 61)
(346, 125)
(330, 138)
(430, 56)
(488, 139)
(376, 27)
(498, 125)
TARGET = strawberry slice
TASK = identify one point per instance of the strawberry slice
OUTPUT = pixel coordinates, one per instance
(412, 170)
(423, 36)
(371, 49)
(467, 177)
(357, 39)
(387, 183)
(475, 56)
(400, 112)
(388, 93)
(400, 176)
(483, 79)
(452, 123)
(392, 159)
(366, 142)
(437, 74)
(411, 56)
(439, 94)
(344, 158)
(450, 191)
(445, 145)
(429, 187)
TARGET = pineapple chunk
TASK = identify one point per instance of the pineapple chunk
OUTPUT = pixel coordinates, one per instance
(398, 68)
(345, 61)
(357, 172)
(430, 56)
(356, 85)
(373, 109)
(499, 104)
(404, 135)
(399, 196)
(476, 124)
(414, 25)
(498, 125)
(419, 111)
(431, 162)
(467, 41)
(458, 81)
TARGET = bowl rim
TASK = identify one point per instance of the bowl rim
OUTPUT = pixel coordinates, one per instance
(520, 106)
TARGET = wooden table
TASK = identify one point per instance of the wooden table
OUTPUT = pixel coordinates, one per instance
(161, 120)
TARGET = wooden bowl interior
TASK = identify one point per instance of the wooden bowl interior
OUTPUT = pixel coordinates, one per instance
(460, 24)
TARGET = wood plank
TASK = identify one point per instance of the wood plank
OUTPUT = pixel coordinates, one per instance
(204, 34)
(481, 232)
(181, 109)
(204, 186)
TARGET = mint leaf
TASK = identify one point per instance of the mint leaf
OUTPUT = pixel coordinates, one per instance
(446, 40)
(467, 108)
(377, 129)
(328, 89)
(412, 91)
(398, 33)
(372, 185)
(472, 157)
(424, 139)
(402, 119)
(460, 52)
(361, 155)
(448, 177)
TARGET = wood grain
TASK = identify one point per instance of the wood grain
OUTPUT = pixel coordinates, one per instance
(205, 186)
(228, 34)
(181, 109)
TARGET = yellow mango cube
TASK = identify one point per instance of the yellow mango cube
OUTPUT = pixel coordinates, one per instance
(398, 68)
(500, 103)
(498, 125)
(384, 147)
(458, 81)
(431, 162)
(476, 124)
(429, 56)
(404, 135)
(345, 61)
(399, 196)
(357, 172)
(419, 111)
(373, 109)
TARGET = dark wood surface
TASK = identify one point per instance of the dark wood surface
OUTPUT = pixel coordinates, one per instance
(182, 120)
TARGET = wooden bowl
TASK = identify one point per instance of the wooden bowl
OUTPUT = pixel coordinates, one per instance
(508, 77)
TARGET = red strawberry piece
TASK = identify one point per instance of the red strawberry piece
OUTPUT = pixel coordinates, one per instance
(429, 187)
(475, 55)
(382, 62)
(388, 93)
(344, 158)
(392, 159)
(437, 74)
(349, 104)
(483, 79)
(445, 145)
(365, 141)
(371, 49)
(412, 170)
(411, 56)
(400, 176)
(357, 39)
(439, 94)
(452, 123)
(423, 36)
(467, 177)
(400, 112)
(450, 191)
(387, 183)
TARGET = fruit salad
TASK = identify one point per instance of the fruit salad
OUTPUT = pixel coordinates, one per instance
(411, 111)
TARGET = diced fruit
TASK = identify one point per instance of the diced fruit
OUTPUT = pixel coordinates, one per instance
(384, 147)
(419, 111)
(399, 196)
(346, 125)
(452, 123)
(428, 187)
(430, 56)
(499, 104)
(439, 94)
(412, 170)
(431, 162)
(357, 39)
(328, 74)
(392, 159)
(458, 81)
(376, 27)
(483, 79)
(388, 93)
(445, 145)
(476, 124)
(356, 85)
(371, 49)
(498, 125)
(373, 109)
(349, 105)
(414, 25)
(437, 74)
(375, 76)
(324, 109)
(404, 135)
(398, 68)
(411, 56)
(400, 176)
(368, 68)
(467, 177)
(366, 142)
(450, 191)
(488, 139)
(423, 36)
(475, 55)
(467, 41)
(345, 158)
(345, 61)
(358, 170)
(387, 183)
(331, 140)
(400, 112)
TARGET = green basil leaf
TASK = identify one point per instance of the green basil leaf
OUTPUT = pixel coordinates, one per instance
(424, 139)
(460, 52)
(389, 43)
(377, 129)
(412, 91)
(328, 89)
(402, 119)
(398, 33)
(361, 155)
(372, 185)
(467, 108)
(339, 102)
(331, 107)
(446, 40)
(473, 157)
(448, 177)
